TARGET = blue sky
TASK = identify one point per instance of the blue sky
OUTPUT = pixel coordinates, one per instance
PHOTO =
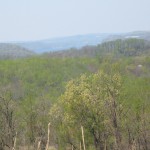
(41, 19)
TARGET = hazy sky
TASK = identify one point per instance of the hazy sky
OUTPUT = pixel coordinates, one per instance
(40, 19)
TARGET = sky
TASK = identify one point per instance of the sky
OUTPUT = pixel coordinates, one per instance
(24, 20)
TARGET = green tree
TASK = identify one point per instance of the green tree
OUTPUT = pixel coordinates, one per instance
(86, 102)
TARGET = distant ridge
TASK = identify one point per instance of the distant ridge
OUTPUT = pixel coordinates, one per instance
(64, 43)
(79, 41)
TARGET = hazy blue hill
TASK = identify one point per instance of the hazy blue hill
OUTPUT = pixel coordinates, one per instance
(13, 51)
(64, 43)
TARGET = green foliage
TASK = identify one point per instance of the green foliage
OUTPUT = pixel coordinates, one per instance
(110, 109)
(128, 47)
(76, 93)
(86, 102)
(35, 84)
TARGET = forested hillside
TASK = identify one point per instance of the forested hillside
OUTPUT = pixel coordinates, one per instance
(103, 90)
(12, 51)
(118, 48)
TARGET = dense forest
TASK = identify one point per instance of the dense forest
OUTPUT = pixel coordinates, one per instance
(96, 97)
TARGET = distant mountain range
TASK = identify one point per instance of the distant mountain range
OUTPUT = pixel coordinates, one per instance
(26, 49)
(13, 51)
(79, 41)
(64, 43)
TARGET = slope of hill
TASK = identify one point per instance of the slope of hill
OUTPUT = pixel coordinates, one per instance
(13, 51)
(118, 48)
